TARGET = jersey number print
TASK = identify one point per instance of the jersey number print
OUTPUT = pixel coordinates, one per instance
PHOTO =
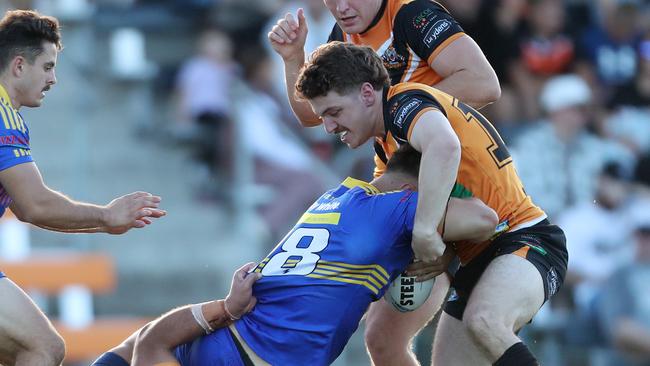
(294, 260)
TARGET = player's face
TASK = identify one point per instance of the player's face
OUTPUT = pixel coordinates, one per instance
(38, 77)
(353, 16)
(346, 115)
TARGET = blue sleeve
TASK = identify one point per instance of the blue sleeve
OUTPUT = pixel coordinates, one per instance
(14, 140)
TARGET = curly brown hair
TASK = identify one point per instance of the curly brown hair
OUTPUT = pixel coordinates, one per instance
(22, 33)
(340, 67)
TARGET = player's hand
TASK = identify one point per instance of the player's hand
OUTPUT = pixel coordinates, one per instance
(427, 246)
(135, 210)
(288, 36)
(425, 271)
(240, 300)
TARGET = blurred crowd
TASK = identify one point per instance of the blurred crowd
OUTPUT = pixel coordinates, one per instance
(574, 111)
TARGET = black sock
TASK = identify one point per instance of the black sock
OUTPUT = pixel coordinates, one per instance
(517, 355)
(110, 359)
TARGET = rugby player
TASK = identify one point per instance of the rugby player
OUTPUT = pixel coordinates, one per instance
(29, 45)
(501, 283)
(316, 284)
(418, 41)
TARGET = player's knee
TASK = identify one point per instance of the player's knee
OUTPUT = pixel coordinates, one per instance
(482, 324)
(381, 343)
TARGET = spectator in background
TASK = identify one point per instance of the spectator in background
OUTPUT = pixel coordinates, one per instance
(558, 160)
(629, 119)
(204, 102)
(544, 51)
(624, 305)
(608, 47)
(281, 162)
(599, 234)
(320, 25)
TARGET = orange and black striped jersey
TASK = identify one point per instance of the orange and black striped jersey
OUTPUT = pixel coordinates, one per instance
(407, 35)
(486, 170)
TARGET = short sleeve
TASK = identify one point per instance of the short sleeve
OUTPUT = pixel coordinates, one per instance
(404, 111)
(427, 27)
(14, 140)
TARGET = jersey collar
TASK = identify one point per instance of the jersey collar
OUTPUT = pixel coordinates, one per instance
(350, 182)
(378, 17)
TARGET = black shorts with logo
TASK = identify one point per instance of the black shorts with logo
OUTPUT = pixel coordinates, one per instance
(543, 245)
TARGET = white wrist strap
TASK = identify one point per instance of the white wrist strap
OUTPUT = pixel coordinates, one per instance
(197, 312)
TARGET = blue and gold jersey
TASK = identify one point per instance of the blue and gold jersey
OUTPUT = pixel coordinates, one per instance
(319, 281)
(14, 142)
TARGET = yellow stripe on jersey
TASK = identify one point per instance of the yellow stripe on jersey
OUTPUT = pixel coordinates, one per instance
(21, 123)
(12, 118)
(16, 153)
(346, 280)
(351, 183)
(331, 218)
(5, 117)
(348, 274)
(372, 275)
(358, 266)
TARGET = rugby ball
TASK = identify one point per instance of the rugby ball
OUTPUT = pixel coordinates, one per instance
(405, 294)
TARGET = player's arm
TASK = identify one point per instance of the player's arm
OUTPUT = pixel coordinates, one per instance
(466, 73)
(288, 38)
(468, 219)
(432, 135)
(434, 35)
(34, 202)
(155, 343)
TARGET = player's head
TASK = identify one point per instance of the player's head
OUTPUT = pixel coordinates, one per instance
(402, 170)
(29, 45)
(344, 83)
(354, 16)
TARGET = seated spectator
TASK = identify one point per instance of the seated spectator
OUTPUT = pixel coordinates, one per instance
(624, 304)
(629, 119)
(281, 162)
(599, 234)
(545, 50)
(203, 88)
(558, 159)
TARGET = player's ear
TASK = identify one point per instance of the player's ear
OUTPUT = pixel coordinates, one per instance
(367, 94)
(18, 65)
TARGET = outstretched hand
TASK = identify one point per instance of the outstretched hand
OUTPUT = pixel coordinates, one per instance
(135, 210)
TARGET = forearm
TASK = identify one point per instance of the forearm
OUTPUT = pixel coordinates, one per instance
(156, 343)
(301, 108)
(472, 88)
(435, 185)
(54, 211)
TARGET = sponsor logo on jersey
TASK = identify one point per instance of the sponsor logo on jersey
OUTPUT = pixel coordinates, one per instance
(328, 206)
(436, 30)
(553, 282)
(405, 110)
(421, 21)
(393, 60)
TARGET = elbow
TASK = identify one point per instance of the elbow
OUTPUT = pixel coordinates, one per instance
(487, 224)
(30, 214)
(491, 89)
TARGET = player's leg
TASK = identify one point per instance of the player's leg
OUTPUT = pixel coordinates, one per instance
(507, 296)
(389, 333)
(453, 346)
(26, 336)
